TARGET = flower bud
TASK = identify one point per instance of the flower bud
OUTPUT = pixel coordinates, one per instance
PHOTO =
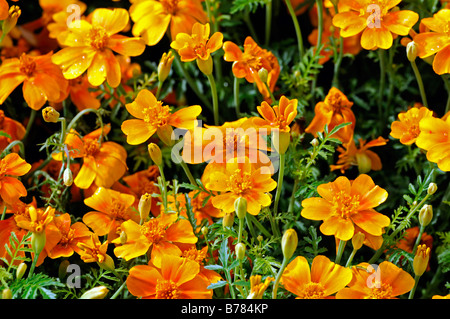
(411, 51)
(315, 142)
(10, 22)
(228, 220)
(38, 240)
(432, 188)
(263, 74)
(204, 231)
(144, 206)
(358, 240)
(7, 293)
(281, 141)
(289, 243)
(123, 237)
(240, 251)
(421, 259)
(95, 293)
(364, 163)
(50, 114)
(107, 263)
(240, 207)
(155, 154)
(164, 66)
(425, 215)
(20, 271)
(68, 177)
(206, 66)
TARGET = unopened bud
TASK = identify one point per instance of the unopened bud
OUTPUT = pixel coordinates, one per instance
(144, 206)
(228, 220)
(20, 271)
(263, 74)
(38, 240)
(260, 238)
(107, 264)
(315, 142)
(358, 240)
(421, 259)
(50, 114)
(62, 269)
(155, 154)
(164, 66)
(206, 66)
(68, 177)
(240, 207)
(432, 188)
(95, 293)
(281, 141)
(123, 237)
(240, 251)
(411, 51)
(204, 230)
(289, 243)
(425, 215)
(10, 22)
(7, 293)
(364, 163)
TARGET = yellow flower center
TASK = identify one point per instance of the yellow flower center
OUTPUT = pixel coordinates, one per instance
(383, 292)
(118, 210)
(253, 62)
(195, 255)
(157, 115)
(27, 65)
(312, 290)
(345, 205)
(166, 289)
(153, 230)
(91, 147)
(239, 182)
(66, 238)
(335, 101)
(171, 6)
(98, 38)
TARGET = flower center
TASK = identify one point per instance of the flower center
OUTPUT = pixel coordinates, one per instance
(345, 205)
(67, 237)
(166, 289)
(157, 115)
(195, 255)
(312, 290)
(153, 230)
(98, 38)
(27, 65)
(335, 101)
(171, 6)
(91, 146)
(118, 210)
(239, 182)
(383, 292)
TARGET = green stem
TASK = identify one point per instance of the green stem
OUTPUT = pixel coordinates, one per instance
(236, 96)
(420, 83)
(319, 4)
(271, 94)
(340, 251)
(350, 258)
(119, 290)
(241, 228)
(258, 225)
(29, 124)
(338, 58)
(279, 183)
(4, 213)
(164, 188)
(419, 237)
(382, 57)
(278, 278)
(158, 91)
(413, 291)
(33, 265)
(292, 200)
(250, 226)
(298, 32)
(212, 83)
(268, 21)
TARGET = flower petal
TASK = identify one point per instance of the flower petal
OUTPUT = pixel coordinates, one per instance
(137, 131)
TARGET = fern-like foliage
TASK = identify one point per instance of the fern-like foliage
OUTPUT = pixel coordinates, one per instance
(38, 286)
(250, 5)
(16, 250)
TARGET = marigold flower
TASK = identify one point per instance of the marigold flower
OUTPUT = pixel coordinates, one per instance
(42, 79)
(161, 234)
(175, 278)
(199, 256)
(334, 110)
(13, 128)
(345, 204)
(378, 21)
(436, 41)
(57, 14)
(90, 45)
(257, 288)
(407, 127)
(277, 116)
(322, 280)
(387, 281)
(152, 116)
(407, 242)
(11, 167)
(95, 251)
(248, 63)
(103, 163)
(203, 208)
(153, 17)
(240, 178)
(112, 208)
(81, 95)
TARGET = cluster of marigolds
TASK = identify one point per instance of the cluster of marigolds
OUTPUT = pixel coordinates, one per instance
(68, 53)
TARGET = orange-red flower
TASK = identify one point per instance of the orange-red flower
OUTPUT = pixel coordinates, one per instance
(152, 116)
(321, 281)
(42, 80)
(387, 281)
(153, 17)
(250, 61)
(436, 41)
(90, 45)
(277, 116)
(94, 251)
(378, 20)
(199, 256)
(334, 110)
(81, 95)
(11, 167)
(407, 127)
(174, 278)
(14, 129)
(203, 208)
(112, 208)
(344, 204)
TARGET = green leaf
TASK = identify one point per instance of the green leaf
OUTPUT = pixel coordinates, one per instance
(213, 267)
(338, 127)
(218, 284)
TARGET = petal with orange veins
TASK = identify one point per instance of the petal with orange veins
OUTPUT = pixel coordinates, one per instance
(322, 116)
(400, 280)
(16, 166)
(162, 248)
(224, 202)
(255, 201)
(186, 117)
(197, 288)
(74, 61)
(215, 42)
(430, 43)
(109, 168)
(126, 46)
(373, 38)
(99, 222)
(329, 190)
(370, 195)
(33, 95)
(86, 175)
(181, 232)
(341, 228)
(232, 52)
(8, 82)
(266, 111)
(142, 280)
(441, 62)
(400, 22)
(440, 154)
(179, 270)
(137, 131)
(101, 200)
(113, 21)
(332, 276)
(144, 98)
(432, 131)
(11, 189)
(350, 23)
(316, 208)
(296, 274)
(151, 21)
(371, 221)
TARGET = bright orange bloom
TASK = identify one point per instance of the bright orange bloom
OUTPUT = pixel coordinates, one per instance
(14, 129)
(103, 163)
(407, 127)
(374, 18)
(437, 41)
(248, 63)
(152, 18)
(80, 94)
(4, 9)
(12, 166)
(161, 234)
(334, 110)
(408, 241)
(37, 219)
(240, 178)
(257, 288)
(279, 116)
(52, 7)
(112, 208)
(204, 210)
(387, 281)
(94, 251)
(434, 138)
(324, 279)
(362, 157)
(90, 45)
(199, 256)
(152, 116)
(42, 80)
(175, 278)
(345, 204)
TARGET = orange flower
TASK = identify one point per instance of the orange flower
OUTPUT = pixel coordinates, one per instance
(334, 110)
(103, 163)
(375, 19)
(248, 63)
(192, 253)
(387, 281)
(112, 208)
(437, 41)
(257, 288)
(175, 278)
(324, 279)
(42, 80)
(407, 127)
(203, 208)
(94, 251)
(161, 234)
(240, 178)
(345, 204)
(90, 45)
(152, 116)
(362, 157)
(80, 94)
(408, 241)
(152, 18)
(12, 166)
(14, 129)
(279, 116)
(434, 138)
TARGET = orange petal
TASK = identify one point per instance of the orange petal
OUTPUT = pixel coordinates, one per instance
(373, 38)
(186, 117)
(341, 228)
(441, 63)
(126, 46)
(316, 208)
(296, 274)
(8, 83)
(113, 21)
(16, 166)
(371, 221)
(142, 280)
(137, 131)
(350, 23)
(151, 21)
(86, 175)
(73, 60)
(144, 98)
(400, 22)
(232, 52)
(181, 232)
(11, 189)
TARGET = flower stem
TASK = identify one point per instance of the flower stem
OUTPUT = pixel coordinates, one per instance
(118, 291)
(382, 58)
(212, 83)
(297, 28)
(340, 251)
(236, 96)
(420, 83)
(413, 291)
(278, 278)
(292, 200)
(29, 124)
(350, 258)
(279, 183)
(419, 237)
(268, 21)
